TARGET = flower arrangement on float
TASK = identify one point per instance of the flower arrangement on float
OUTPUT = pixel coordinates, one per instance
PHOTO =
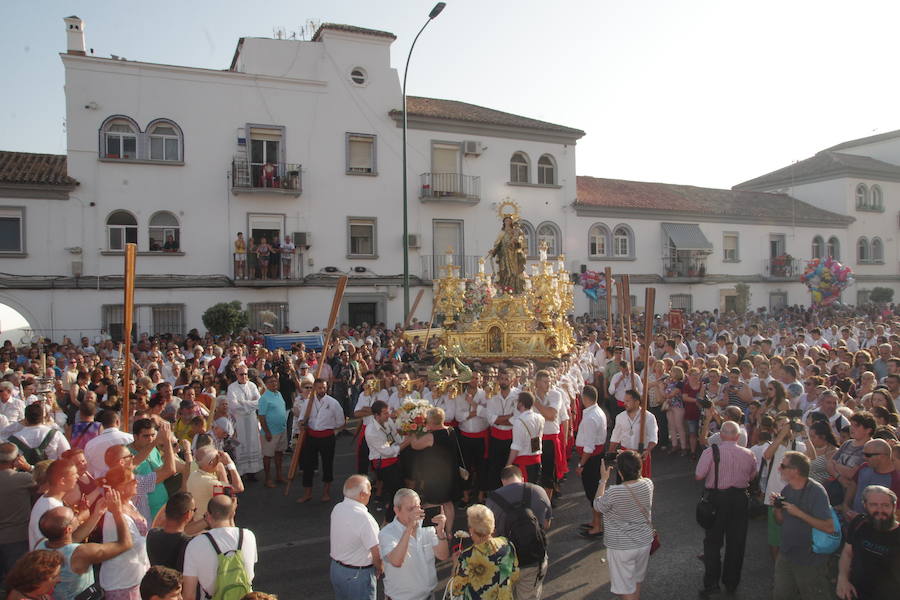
(411, 417)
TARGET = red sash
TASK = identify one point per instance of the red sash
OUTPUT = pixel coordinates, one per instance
(383, 463)
(454, 423)
(524, 461)
(320, 433)
(559, 453)
(645, 468)
(360, 436)
(501, 434)
(483, 434)
(597, 450)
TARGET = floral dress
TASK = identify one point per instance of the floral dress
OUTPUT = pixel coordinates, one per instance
(674, 387)
(487, 571)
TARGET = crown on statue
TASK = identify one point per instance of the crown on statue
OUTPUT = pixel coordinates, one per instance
(508, 208)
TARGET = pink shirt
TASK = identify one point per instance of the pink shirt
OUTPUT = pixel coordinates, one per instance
(737, 466)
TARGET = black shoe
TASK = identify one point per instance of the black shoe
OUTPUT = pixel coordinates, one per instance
(554, 502)
(590, 536)
(709, 591)
(250, 477)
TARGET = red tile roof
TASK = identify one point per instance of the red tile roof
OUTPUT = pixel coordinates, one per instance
(350, 29)
(715, 203)
(25, 168)
(455, 110)
(826, 164)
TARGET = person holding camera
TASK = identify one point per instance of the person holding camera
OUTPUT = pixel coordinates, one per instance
(729, 481)
(786, 440)
(800, 507)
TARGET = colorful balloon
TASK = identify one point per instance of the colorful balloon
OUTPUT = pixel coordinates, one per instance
(826, 279)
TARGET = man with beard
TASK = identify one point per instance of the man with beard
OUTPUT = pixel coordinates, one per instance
(501, 407)
(870, 561)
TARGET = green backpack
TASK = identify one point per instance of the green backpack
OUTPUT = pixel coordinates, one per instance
(34, 455)
(232, 582)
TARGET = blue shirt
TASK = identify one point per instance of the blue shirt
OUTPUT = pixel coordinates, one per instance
(271, 406)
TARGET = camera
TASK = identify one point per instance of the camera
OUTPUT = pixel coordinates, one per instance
(779, 501)
(610, 458)
(705, 402)
(794, 413)
(797, 426)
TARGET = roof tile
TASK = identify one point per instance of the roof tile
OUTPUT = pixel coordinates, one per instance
(824, 163)
(317, 36)
(25, 168)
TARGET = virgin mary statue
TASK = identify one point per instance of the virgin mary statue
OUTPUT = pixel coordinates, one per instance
(509, 253)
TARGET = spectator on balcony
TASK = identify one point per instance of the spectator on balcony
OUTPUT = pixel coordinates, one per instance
(287, 255)
(267, 175)
(263, 251)
(240, 257)
(171, 245)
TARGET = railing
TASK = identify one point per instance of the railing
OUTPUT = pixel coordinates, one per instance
(450, 185)
(689, 267)
(432, 263)
(265, 176)
(782, 267)
(281, 266)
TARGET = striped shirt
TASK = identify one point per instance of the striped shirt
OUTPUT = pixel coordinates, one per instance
(737, 466)
(624, 524)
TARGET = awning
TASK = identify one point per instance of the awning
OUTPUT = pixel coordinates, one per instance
(687, 236)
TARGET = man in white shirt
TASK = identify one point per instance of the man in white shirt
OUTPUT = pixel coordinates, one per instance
(321, 419)
(527, 429)
(385, 443)
(35, 436)
(355, 556)
(10, 407)
(95, 450)
(589, 446)
(243, 400)
(549, 404)
(408, 549)
(500, 408)
(473, 439)
(201, 557)
(762, 378)
(62, 477)
(622, 382)
(363, 410)
(627, 430)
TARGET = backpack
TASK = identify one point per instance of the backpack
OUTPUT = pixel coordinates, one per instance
(34, 455)
(523, 528)
(232, 582)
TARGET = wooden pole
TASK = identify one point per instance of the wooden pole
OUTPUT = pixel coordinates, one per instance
(649, 302)
(620, 306)
(128, 282)
(626, 300)
(335, 308)
(412, 311)
(607, 274)
(430, 325)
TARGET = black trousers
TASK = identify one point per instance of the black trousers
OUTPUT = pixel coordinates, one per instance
(533, 473)
(391, 480)
(590, 477)
(362, 455)
(498, 452)
(548, 464)
(475, 463)
(314, 447)
(662, 422)
(731, 528)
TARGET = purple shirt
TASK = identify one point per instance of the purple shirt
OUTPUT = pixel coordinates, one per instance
(737, 466)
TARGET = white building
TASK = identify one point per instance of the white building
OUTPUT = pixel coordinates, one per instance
(303, 138)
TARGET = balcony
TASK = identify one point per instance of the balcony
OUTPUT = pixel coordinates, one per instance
(454, 187)
(282, 269)
(685, 266)
(432, 263)
(274, 178)
(782, 268)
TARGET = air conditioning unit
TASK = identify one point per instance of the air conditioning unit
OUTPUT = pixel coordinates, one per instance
(77, 268)
(302, 239)
(414, 240)
(472, 147)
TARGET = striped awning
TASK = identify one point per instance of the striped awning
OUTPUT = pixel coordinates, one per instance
(687, 236)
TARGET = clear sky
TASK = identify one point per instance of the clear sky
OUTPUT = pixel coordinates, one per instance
(702, 92)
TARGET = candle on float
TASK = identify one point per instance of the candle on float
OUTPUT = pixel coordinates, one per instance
(481, 266)
(561, 262)
(448, 258)
(542, 253)
(43, 365)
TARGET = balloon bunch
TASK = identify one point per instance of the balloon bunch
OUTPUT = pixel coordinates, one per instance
(593, 283)
(826, 278)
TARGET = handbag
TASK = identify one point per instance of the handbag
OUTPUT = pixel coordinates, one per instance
(706, 510)
(92, 592)
(655, 544)
(756, 505)
(463, 471)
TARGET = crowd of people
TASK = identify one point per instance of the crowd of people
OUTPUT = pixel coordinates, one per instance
(792, 417)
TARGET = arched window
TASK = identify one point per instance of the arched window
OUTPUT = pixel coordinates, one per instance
(834, 248)
(876, 252)
(877, 199)
(862, 196)
(862, 250)
(598, 241)
(546, 170)
(548, 232)
(121, 229)
(528, 234)
(165, 232)
(519, 168)
(623, 241)
(165, 140)
(118, 138)
(817, 247)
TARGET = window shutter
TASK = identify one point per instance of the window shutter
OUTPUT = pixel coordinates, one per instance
(360, 158)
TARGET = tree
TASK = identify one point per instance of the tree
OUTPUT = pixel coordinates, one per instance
(881, 295)
(742, 301)
(225, 317)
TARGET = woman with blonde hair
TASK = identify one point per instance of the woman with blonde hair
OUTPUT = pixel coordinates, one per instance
(120, 577)
(435, 464)
(488, 568)
(673, 396)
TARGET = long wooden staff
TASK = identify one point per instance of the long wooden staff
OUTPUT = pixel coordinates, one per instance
(649, 302)
(412, 311)
(620, 307)
(626, 299)
(128, 284)
(430, 323)
(607, 273)
(335, 307)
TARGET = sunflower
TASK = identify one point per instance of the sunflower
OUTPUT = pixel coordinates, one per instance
(459, 584)
(480, 570)
(497, 592)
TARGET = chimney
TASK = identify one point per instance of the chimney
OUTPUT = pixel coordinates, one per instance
(75, 35)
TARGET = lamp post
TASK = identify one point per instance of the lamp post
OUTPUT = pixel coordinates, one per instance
(434, 13)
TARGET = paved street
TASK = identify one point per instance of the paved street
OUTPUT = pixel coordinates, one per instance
(293, 540)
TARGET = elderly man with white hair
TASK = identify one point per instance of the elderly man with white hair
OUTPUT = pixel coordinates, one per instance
(355, 556)
(728, 469)
(409, 549)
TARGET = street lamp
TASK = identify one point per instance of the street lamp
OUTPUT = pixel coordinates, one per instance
(434, 13)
